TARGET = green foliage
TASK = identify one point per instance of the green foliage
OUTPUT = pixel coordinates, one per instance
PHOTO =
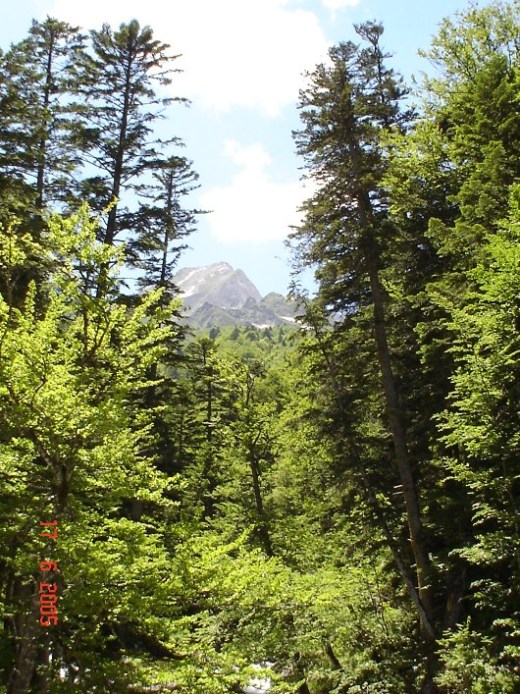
(162, 223)
(35, 111)
(118, 80)
(470, 666)
(480, 422)
(420, 213)
(332, 508)
(72, 446)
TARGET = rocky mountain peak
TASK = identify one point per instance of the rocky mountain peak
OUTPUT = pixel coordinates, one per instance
(218, 284)
(217, 295)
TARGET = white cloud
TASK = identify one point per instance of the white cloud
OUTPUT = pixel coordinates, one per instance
(339, 4)
(253, 208)
(248, 53)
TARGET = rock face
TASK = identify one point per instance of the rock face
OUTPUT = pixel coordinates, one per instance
(217, 296)
(217, 284)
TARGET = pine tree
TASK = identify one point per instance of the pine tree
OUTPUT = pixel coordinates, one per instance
(38, 159)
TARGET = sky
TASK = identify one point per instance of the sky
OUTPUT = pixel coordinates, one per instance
(243, 63)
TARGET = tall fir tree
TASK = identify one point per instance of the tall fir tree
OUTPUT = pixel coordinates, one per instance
(346, 111)
(162, 224)
(118, 80)
(37, 154)
(36, 109)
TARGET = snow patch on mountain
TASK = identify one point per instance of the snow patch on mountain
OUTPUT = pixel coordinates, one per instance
(218, 295)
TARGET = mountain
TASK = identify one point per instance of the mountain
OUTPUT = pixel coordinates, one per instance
(218, 284)
(217, 295)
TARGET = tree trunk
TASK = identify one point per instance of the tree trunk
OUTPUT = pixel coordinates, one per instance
(168, 231)
(42, 145)
(263, 527)
(25, 624)
(424, 617)
(111, 228)
(401, 452)
(394, 413)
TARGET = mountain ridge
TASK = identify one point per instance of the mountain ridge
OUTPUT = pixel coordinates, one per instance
(218, 295)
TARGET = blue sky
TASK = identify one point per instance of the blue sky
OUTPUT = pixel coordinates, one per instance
(242, 63)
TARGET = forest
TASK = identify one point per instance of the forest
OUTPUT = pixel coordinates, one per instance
(330, 509)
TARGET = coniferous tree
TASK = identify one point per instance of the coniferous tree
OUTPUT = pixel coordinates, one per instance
(346, 111)
(232, 503)
(474, 124)
(119, 79)
(36, 109)
(38, 160)
(163, 223)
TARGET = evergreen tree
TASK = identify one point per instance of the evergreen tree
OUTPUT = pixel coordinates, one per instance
(346, 111)
(118, 80)
(38, 160)
(162, 224)
(36, 109)
(258, 502)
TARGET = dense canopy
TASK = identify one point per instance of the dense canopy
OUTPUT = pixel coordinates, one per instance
(328, 509)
